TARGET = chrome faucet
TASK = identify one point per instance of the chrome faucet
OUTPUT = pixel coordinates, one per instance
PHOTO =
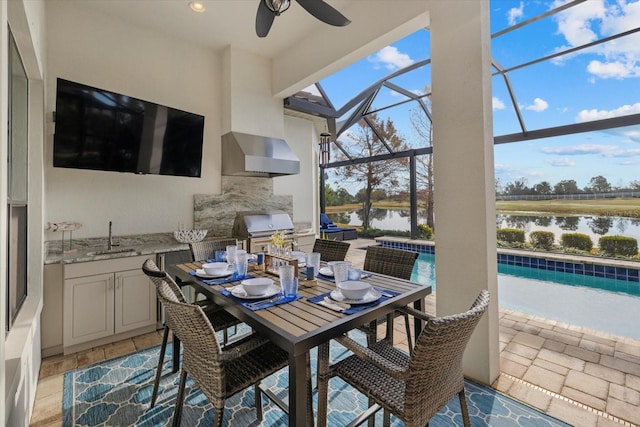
(110, 243)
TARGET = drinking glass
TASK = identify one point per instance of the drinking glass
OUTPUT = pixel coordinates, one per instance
(313, 259)
(231, 254)
(221, 256)
(354, 274)
(240, 267)
(341, 271)
(288, 281)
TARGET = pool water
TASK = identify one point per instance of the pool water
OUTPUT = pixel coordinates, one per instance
(608, 305)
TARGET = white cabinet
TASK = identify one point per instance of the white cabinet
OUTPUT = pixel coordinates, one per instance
(89, 308)
(135, 301)
(103, 299)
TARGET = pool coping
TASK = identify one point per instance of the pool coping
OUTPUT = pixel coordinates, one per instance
(625, 270)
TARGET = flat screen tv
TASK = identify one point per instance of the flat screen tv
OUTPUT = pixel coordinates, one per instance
(102, 130)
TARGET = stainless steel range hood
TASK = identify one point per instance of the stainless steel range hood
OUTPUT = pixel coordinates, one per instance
(252, 155)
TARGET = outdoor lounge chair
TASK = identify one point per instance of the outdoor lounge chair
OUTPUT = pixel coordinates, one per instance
(412, 387)
(333, 232)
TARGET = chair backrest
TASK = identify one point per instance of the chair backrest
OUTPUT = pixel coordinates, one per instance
(164, 283)
(325, 221)
(331, 250)
(201, 350)
(201, 353)
(206, 249)
(392, 262)
(435, 369)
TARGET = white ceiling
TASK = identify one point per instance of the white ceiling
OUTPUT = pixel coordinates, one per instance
(303, 49)
(225, 22)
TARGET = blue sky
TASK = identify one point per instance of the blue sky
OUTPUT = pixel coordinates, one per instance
(601, 82)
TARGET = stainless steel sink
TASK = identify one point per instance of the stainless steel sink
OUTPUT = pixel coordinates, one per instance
(110, 251)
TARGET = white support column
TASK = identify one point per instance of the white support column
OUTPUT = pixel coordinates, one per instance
(465, 233)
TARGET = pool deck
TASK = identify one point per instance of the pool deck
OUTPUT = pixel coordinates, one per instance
(584, 377)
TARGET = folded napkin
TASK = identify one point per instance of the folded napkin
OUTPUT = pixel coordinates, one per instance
(254, 305)
(356, 307)
(229, 279)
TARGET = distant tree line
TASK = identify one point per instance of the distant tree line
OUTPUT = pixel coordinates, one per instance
(597, 184)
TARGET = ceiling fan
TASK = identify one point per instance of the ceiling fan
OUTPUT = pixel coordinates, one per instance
(269, 9)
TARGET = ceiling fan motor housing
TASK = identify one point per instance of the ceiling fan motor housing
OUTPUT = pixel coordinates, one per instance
(278, 6)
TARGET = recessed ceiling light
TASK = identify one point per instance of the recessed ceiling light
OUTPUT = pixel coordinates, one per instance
(197, 6)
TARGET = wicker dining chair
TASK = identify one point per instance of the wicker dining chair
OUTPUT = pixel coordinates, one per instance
(219, 373)
(219, 319)
(413, 388)
(392, 262)
(206, 249)
(331, 250)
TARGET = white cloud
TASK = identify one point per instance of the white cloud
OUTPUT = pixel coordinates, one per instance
(633, 152)
(515, 13)
(497, 103)
(502, 168)
(390, 58)
(593, 20)
(632, 162)
(590, 115)
(575, 22)
(580, 149)
(614, 69)
(538, 105)
(562, 162)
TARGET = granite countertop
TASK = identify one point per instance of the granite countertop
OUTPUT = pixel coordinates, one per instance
(94, 249)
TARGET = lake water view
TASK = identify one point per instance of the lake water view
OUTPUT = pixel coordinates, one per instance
(593, 226)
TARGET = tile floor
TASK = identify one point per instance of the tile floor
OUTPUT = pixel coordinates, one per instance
(586, 378)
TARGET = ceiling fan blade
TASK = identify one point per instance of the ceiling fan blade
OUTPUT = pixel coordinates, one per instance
(264, 19)
(324, 12)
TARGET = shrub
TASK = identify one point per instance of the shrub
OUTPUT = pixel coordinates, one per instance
(618, 245)
(425, 232)
(510, 235)
(372, 233)
(542, 239)
(576, 241)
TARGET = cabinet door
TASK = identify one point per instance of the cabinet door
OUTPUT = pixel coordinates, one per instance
(88, 308)
(135, 301)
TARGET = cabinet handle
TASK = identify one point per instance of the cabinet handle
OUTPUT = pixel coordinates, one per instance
(110, 285)
(118, 282)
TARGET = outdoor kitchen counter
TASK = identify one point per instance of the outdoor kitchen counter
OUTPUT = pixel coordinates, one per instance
(84, 250)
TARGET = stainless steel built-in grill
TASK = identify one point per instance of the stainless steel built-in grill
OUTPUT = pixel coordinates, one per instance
(257, 227)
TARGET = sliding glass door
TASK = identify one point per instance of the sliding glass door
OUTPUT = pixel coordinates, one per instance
(17, 201)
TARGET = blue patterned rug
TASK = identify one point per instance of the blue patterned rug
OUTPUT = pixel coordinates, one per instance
(117, 392)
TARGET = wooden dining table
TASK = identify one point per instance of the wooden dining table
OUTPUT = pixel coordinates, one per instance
(301, 325)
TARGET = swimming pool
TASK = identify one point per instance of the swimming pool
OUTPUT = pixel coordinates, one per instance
(600, 303)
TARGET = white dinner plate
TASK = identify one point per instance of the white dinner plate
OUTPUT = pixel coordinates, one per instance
(203, 275)
(326, 271)
(371, 296)
(239, 292)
